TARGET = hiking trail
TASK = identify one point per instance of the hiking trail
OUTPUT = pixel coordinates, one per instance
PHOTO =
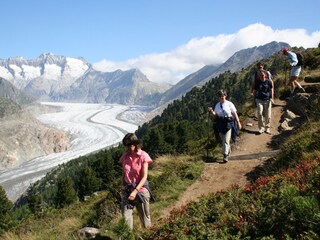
(250, 151)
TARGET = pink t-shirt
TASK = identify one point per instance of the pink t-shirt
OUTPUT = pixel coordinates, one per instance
(133, 165)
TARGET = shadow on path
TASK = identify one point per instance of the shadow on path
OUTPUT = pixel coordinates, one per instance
(259, 155)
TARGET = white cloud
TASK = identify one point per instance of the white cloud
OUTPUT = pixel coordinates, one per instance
(173, 66)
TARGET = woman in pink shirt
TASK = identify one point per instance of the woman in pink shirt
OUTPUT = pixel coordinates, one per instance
(135, 187)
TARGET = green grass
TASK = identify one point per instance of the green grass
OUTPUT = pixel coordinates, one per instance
(169, 177)
(57, 223)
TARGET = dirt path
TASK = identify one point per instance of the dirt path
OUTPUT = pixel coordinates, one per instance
(250, 151)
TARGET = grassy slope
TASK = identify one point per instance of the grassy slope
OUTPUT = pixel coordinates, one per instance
(170, 176)
(173, 174)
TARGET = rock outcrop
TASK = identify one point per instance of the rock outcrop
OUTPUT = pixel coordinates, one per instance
(22, 137)
(302, 106)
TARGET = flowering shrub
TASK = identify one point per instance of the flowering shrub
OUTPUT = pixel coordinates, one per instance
(305, 142)
(285, 205)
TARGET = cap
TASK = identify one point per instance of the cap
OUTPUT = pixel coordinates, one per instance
(285, 50)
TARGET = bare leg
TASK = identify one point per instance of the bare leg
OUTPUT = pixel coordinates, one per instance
(293, 83)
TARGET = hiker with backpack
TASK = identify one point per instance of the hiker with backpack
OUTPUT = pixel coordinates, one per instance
(227, 123)
(135, 187)
(295, 70)
(263, 92)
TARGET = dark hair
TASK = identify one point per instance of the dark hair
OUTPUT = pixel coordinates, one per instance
(222, 92)
(259, 64)
(130, 139)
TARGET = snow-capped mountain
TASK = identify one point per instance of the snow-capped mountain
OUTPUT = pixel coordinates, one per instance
(46, 73)
(58, 78)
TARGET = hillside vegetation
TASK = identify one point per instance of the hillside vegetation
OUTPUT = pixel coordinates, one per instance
(183, 125)
(284, 203)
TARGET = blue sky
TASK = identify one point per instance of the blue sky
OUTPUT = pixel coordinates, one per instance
(166, 39)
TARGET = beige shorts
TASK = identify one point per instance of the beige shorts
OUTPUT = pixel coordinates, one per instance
(295, 71)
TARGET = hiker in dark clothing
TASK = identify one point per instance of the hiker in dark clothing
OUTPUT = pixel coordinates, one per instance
(227, 123)
(263, 93)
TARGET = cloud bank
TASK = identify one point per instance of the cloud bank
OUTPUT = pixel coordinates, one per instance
(171, 67)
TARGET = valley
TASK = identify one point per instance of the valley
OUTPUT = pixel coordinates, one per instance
(91, 127)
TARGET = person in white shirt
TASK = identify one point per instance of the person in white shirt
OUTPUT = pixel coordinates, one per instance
(295, 70)
(227, 118)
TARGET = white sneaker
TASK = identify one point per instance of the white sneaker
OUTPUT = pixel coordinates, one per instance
(261, 130)
(268, 131)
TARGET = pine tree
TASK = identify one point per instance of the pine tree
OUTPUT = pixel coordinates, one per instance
(66, 193)
(35, 203)
(5, 212)
(89, 183)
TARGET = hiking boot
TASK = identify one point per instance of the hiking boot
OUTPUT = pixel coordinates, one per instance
(225, 158)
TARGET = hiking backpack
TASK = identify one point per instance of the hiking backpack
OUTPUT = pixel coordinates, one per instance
(300, 59)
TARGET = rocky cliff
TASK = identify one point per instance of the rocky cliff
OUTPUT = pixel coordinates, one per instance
(22, 137)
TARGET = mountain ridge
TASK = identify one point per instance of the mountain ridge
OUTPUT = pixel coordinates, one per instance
(58, 78)
(236, 62)
(8, 91)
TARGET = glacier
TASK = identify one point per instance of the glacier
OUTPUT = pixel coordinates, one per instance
(91, 127)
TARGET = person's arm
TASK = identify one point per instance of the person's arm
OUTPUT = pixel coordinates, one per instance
(254, 92)
(272, 87)
(143, 180)
(235, 115)
(210, 110)
(144, 175)
(272, 91)
(293, 60)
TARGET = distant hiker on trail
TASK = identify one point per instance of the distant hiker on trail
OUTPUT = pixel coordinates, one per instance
(227, 123)
(295, 70)
(263, 92)
(135, 187)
